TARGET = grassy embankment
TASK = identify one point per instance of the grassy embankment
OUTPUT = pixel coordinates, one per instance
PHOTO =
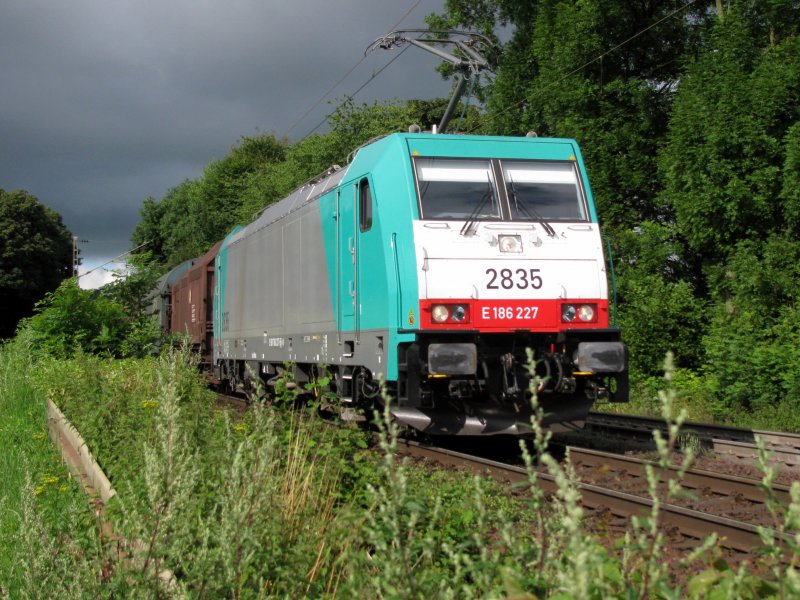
(45, 519)
(269, 505)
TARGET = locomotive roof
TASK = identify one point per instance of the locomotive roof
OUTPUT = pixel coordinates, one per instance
(306, 193)
(321, 184)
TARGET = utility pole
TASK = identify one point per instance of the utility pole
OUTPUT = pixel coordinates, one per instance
(76, 254)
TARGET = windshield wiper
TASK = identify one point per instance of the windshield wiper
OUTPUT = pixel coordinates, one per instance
(530, 212)
(467, 228)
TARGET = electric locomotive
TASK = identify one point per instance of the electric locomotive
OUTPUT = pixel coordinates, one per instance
(430, 265)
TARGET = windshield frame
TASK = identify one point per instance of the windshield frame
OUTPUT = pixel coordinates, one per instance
(495, 200)
(582, 204)
(501, 193)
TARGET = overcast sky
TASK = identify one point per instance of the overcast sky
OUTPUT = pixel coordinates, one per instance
(103, 104)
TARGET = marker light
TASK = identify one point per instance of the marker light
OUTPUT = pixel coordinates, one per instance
(450, 313)
(583, 313)
(459, 314)
(510, 243)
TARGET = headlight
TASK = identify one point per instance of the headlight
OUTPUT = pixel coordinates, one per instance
(440, 313)
(510, 243)
(456, 314)
(586, 313)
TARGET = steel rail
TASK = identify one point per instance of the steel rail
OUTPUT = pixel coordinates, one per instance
(709, 430)
(787, 456)
(721, 483)
(739, 442)
(692, 523)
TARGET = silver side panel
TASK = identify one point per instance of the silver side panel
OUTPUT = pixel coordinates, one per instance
(276, 283)
(278, 300)
(319, 347)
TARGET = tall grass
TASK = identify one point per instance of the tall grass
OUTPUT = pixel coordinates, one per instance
(272, 505)
(49, 544)
(229, 507)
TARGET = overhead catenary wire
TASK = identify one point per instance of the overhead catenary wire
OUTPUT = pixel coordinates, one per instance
(351, 96)
(131, 251)
(599, 57)
(343, 77)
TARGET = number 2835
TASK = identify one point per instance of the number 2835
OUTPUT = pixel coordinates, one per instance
(510, 278)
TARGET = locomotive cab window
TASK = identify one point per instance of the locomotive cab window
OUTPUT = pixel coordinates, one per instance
(364, 205)
(456, 189)
(544, 190)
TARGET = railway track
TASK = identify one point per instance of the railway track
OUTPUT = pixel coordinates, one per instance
(734, 442)
(732, 506)
(728, 495)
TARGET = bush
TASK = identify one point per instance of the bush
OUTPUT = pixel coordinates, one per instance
(71, 318)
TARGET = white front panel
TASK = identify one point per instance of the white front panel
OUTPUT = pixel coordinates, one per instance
(451, 265)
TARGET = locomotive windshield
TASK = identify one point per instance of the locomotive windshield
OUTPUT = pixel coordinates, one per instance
(546, 191)
(465, 189)
(457, 189)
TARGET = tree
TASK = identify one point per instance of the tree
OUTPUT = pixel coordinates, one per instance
(260, 170)
(730, 169)
(35, 255)
(565, 72)
(196, 213)
(731, 145)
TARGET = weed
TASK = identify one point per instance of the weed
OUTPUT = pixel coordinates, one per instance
(277, 504)
(645, 540)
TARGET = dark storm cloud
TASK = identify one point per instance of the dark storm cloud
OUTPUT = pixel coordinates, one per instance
(105, 103)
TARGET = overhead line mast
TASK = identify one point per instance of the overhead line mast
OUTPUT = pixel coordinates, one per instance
(469, 64)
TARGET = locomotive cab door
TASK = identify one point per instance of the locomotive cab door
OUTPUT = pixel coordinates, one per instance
(346, 255)
(354, 210)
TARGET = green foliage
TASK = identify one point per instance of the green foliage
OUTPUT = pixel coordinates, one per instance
(654, 297)
(50, 545)
(235, 505)
(251, 506)
(133, 291)
(645, 540)
(195, 214)
(649, 304)
(723, 162)
(111, 321)
(751, 341)
(35, 255)
(790, 194)
(71, 318)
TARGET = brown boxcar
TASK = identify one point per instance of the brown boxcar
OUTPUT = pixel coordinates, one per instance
(192, 304)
